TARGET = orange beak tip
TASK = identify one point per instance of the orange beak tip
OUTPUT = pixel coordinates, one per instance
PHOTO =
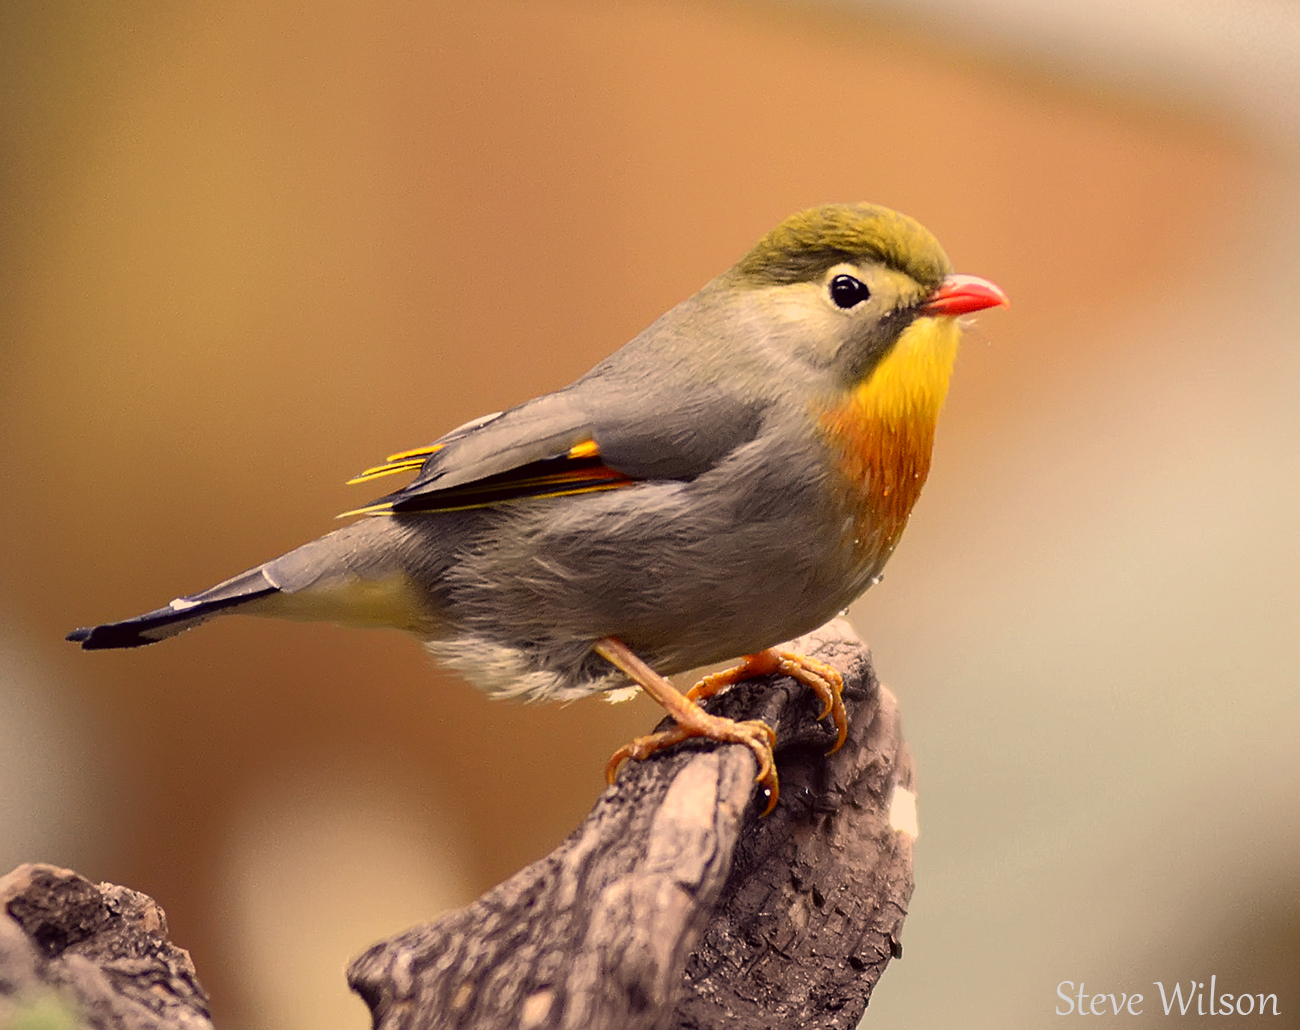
(962, 294)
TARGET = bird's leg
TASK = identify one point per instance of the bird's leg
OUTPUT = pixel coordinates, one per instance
(692, 721)
(822, 679)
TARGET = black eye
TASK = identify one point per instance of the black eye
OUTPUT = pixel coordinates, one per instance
(847, 291)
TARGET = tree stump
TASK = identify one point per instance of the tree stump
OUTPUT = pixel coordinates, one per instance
(674, 905)
(87, 957)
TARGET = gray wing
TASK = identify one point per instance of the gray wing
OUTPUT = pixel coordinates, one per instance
(671, 404)
(603, 432)
(554, 446)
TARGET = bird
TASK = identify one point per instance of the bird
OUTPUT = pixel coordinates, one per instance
(731, 478)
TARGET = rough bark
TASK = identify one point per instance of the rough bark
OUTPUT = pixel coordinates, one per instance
(77, 955)
(675, 904)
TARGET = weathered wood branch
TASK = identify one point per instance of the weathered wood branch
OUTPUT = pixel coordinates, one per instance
(674, 904)
(87, 957)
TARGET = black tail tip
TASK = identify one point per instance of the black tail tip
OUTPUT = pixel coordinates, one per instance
(111, 635)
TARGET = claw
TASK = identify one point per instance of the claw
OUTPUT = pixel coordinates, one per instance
(754, 734)
(819, 677)
(694, 721)
(824, 681)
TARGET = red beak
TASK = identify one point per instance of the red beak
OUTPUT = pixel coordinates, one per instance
(962, 294)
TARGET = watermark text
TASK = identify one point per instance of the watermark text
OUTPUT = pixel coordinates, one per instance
(1192, 998)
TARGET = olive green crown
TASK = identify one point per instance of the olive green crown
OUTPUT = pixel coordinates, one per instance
(802, 247)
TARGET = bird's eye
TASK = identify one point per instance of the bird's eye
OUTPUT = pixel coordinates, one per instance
(848, 292)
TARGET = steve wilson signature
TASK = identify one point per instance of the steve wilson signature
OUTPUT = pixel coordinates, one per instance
(1189, 998)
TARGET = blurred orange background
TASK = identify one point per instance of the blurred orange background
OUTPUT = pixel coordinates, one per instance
(250, 249)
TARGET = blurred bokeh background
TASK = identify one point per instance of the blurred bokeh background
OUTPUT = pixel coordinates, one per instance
(246, 249)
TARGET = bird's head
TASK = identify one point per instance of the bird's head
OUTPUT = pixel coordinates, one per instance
(841, 283)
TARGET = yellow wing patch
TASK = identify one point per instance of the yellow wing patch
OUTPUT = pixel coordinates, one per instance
(577, 471)
(402, 461)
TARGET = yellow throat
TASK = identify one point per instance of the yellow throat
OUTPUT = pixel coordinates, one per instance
(883, 432)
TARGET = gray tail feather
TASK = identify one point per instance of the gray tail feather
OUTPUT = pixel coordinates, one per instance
(182, 614)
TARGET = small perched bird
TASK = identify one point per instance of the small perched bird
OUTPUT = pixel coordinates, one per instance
(731, 478)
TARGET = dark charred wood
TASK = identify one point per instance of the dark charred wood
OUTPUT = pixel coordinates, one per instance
(88, 956)
(675, 904)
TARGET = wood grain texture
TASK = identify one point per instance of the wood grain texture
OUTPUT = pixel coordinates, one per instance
(92, 957)
(674, 904)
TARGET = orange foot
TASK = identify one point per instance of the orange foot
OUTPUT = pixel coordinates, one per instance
(692, 721)
(822, 679)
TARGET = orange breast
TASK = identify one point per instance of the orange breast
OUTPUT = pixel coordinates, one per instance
(881, 434)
